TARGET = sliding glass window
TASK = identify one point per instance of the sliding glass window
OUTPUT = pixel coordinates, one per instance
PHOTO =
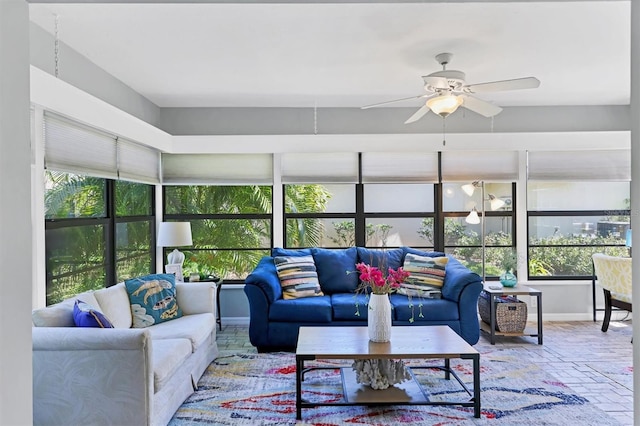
(231, 226)
(97, 232)
(463, 237)
(569, 221)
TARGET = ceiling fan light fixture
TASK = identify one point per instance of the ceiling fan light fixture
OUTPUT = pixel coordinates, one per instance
(444, 105)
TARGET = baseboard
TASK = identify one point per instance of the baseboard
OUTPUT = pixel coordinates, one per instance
(243, 321)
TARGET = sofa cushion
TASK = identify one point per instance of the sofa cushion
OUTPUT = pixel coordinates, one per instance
(385, 258)
(425, 274)
(61, 314)
(345, 309)
(298, 277)
(307, 310)
(114, 302)
(196, 328)
(432, 309)
(153, 299)
(279, 251)
(167, 356)
(412, 250)
(85, 315)
(332, 266)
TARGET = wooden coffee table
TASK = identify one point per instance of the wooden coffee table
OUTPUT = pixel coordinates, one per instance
(409, 342)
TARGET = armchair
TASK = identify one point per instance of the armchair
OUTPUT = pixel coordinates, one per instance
(614, 276)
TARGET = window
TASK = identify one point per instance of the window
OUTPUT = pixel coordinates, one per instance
(463, 240)
(399, 214)
(320, 215)
(231, 226)
(569, 221)
(83, 215)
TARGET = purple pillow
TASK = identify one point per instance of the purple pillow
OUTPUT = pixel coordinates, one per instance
(85, 315)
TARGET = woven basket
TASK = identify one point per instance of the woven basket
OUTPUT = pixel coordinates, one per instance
(511, 313)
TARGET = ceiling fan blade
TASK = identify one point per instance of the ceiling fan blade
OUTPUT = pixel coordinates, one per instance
(480, 106)
(496, 86)
(394, 101)
(418, 114)
(436, 82)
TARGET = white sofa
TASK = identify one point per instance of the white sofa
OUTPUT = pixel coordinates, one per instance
(120, 376)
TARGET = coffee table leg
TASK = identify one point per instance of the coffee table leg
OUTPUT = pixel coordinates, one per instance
(476, 386)
(299, 368)
(447, 369)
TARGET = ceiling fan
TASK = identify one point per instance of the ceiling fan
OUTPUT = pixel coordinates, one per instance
(447, 90)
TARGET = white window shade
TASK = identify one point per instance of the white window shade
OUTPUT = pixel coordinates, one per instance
(137, 162)
(74, 148)
(469, 166)
(399, 167)
(598, 165)
(219, 169)
(319, 167)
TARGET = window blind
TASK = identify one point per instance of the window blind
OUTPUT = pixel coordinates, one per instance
(220, 169)
(469, 166)
(399, 167)
(597, 165)
(75, 148)
(137, 162)
(319, 167)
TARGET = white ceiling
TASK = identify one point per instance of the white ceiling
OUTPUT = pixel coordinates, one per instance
(349, 55)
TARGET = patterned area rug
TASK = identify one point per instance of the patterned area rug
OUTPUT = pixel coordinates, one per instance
(259, 389)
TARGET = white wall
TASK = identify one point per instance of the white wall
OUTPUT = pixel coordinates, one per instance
(15, 216)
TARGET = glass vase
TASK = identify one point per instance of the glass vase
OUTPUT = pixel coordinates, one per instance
(507, 279)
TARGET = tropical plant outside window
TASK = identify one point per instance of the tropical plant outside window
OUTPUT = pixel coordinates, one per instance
(82, 215)
(569, 221)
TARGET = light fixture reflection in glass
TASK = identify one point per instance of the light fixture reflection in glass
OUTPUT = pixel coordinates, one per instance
(473, 218)
(444, 105)
(470, 188)
(496, 203)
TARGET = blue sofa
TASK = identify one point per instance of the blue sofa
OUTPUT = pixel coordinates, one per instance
(274, 321)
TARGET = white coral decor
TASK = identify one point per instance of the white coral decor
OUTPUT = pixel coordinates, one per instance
(380, 373)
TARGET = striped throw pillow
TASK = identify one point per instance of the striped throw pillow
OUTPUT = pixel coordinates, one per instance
(298, 276)
(426, 274)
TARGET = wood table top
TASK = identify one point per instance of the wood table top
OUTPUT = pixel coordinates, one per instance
(438, 341)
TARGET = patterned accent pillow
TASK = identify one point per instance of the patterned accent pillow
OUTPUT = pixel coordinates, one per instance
(426, 274)
(85, 315)
(153, 299)
(298, 276)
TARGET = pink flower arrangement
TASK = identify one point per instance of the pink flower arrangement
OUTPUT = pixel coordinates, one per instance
(373, 278)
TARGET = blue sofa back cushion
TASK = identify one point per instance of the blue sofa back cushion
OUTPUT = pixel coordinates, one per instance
(390, 258)
(279, 251)
(332, 266)
(411, 250)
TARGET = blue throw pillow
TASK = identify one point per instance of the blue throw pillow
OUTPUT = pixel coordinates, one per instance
(153, 299)
(85, 315)
(279, 251)
(388, 258)
(332, 266)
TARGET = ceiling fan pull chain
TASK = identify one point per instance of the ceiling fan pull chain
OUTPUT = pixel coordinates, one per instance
(444, 141)
(56, 47)
(315, 118)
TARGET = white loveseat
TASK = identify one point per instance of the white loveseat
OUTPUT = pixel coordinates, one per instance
(122, 375)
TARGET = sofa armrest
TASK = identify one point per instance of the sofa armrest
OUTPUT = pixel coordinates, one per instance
(109, 370)
(196, 297)
(265, 276)
(456, 278)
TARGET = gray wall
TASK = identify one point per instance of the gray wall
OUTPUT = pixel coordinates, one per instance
(78, 71)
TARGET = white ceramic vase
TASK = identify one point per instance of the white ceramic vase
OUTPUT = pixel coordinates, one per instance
(379, 318)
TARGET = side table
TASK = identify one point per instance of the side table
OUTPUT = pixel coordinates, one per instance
(510, 291)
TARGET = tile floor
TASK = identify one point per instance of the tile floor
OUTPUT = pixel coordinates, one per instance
(577, 353)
